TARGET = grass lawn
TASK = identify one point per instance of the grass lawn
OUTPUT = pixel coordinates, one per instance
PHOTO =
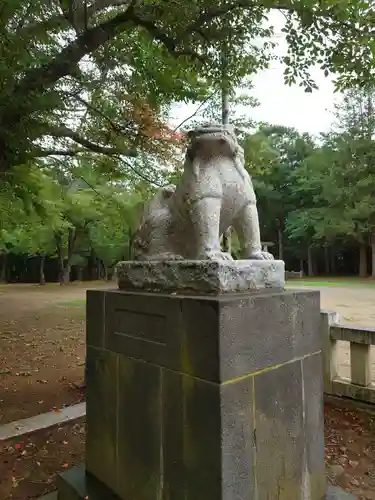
(332, 282)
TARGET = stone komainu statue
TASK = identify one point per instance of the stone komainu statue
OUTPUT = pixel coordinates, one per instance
(215, 192)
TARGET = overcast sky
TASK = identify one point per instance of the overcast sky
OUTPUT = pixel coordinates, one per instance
(281, 104)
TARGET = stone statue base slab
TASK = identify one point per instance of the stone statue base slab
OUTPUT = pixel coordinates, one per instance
(201, 276)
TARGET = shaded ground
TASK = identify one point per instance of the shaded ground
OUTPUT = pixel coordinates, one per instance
(28, 467)
(350, 448)
(42, 347)
(42, 335)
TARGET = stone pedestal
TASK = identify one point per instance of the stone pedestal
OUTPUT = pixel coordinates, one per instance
(208, 398)
(201, 276)
(203, 398)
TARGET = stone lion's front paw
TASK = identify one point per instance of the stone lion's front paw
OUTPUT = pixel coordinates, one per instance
(261, 256)
(217, 255)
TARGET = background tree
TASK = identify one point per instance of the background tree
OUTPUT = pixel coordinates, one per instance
(272, 154)
(121, 63)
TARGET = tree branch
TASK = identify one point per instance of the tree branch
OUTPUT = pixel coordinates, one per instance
(37, 80)
(79, 16)
(96, 148)
(41, 78)
(141, 175)
(88, 105)
(195, 112)
(42, 153)
(30, 30)
(169, 43)
(211, 14)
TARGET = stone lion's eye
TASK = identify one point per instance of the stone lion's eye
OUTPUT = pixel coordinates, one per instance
(222, 141)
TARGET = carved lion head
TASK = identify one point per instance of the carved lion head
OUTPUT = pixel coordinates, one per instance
(213, 140)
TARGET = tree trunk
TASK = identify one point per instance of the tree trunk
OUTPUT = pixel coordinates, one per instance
(79, 270)
(66, 274)
(280, 242)
(65, 267)
(42, 278)
(310, 262)
(91, 265)
(60, 256)
(326, 259)
(301, 265)
(105, 271)
(373, 256)
(3, 267)
(363, 260)
(333, 260)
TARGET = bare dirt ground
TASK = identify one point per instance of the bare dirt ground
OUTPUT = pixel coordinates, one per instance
(350, 448)
(42, 341)
(42, 348)
(29, 466)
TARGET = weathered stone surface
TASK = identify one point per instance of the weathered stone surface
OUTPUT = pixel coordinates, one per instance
(214, 193)
(237, 438)
(201, 276)
(312, 370)
(95, 317)
(101, 416)
(279, 428)
(29, 425)
(72, 484)
(199, 338)
(174, 434)
(207, 397)
(75, 484)
(139, 431)
(208, 439)
(144, 327)
(263, 330)
(201, 430)
(216, 338)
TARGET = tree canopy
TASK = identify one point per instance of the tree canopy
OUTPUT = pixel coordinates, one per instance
(97, 77)
(85, 94)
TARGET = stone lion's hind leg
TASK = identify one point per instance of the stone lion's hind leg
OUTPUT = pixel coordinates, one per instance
(153, 241)
(246, 225)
